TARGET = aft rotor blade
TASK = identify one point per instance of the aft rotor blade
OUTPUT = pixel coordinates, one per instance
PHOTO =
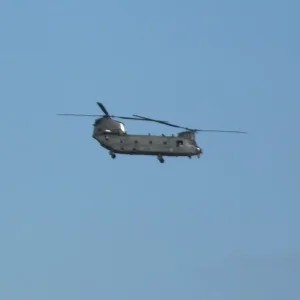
(80, 115)
(97, 116)
(103, 108)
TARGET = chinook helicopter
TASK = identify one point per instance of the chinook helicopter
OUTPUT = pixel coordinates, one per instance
(111, 135)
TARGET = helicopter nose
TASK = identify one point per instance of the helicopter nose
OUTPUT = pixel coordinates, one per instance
(198, 150)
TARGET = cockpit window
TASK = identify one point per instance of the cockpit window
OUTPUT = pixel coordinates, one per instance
(179, 143)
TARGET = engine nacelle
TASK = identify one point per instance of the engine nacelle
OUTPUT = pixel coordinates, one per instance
(106, 125)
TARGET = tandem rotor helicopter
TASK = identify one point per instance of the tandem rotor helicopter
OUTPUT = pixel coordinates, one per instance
(111, 135)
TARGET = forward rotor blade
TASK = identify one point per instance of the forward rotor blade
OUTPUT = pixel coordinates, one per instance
(128, 118)
(153, 120)
(103, 108)
(190, 129)
(216, 130)
(161, 122)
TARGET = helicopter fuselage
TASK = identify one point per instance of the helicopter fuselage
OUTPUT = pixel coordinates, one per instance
(148, 144)
(112, 136)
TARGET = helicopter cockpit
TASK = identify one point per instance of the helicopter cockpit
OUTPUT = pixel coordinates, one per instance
(187, 134)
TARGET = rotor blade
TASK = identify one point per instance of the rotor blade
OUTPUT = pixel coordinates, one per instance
(190, 129)
(153, 120)
(128, 118)
(80, 115)
(103, 108)
(216, 130)
(161, 122)
(97, 116)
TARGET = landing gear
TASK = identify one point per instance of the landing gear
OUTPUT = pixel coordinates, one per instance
(160, 158)
(113, 155)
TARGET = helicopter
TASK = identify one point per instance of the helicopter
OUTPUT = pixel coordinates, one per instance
(111, 135)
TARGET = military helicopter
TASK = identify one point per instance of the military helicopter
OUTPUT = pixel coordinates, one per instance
(111, 135)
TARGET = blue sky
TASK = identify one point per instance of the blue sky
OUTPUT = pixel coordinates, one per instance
(75, 224)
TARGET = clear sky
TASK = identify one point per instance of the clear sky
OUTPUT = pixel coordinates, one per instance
(75, 224)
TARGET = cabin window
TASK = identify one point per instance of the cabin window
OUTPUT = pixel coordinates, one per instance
(179, 143)
(150, 142)
(165, 143)
(136, 142)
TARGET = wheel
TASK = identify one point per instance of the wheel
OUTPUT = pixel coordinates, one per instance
(160, 158)
(113, 155)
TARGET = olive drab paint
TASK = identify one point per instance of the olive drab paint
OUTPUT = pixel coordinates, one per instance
(111, 135)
